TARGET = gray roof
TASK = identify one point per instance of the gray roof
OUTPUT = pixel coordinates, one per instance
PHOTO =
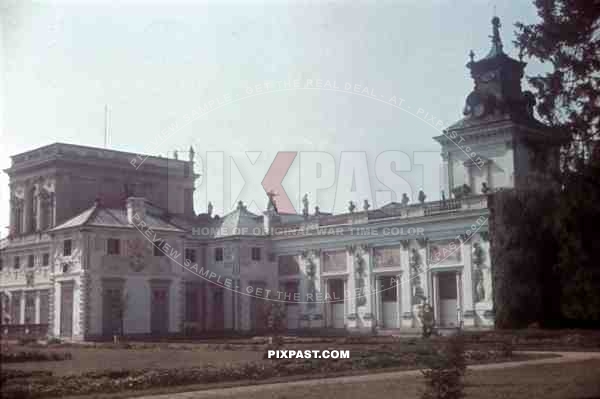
(240, 222)
(98, 216)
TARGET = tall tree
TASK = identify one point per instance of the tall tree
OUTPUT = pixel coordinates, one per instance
(568, 38)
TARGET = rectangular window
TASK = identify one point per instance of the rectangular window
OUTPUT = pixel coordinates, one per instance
(1, 264)
(45, 259)
(158, 251)
(113, 246)
(190, 254)
(255, 253)
(218, 254)
(30, 261)
(67, 246)
(17, 262)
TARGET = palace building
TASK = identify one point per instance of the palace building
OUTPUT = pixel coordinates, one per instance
(98, 248)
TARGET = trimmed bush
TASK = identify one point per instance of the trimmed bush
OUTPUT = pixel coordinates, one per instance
(31, 356)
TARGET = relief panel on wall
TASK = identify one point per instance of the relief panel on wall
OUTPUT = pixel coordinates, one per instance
(386, 256)
(448, 252)
(334, 261)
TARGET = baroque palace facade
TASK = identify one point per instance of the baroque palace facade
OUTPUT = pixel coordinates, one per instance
(97, 247)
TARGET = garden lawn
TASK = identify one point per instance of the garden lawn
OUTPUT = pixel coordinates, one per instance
(97, 359)
(579, 380)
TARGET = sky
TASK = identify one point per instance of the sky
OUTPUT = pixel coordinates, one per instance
(156, 63)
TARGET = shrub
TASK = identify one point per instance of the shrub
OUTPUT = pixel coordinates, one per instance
(507, 347)
(26, 341)
(9, 374)
(31, 356)
(54, 341)
(445, 369)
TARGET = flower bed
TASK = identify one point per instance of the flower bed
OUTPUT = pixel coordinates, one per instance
(21, 384)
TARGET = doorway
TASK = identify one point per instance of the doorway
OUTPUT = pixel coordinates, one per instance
(66, 308)
(335, 289)
(448, 299)
(389, 302)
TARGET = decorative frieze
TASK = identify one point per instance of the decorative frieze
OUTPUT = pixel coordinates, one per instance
(445, 252)
(386, 256)
(334, 261)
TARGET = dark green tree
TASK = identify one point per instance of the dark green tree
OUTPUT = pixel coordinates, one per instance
(567, 37)
(524, 250)
(544, 240)
(578, 235)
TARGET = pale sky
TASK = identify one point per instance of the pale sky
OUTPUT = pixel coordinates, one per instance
(155, 62)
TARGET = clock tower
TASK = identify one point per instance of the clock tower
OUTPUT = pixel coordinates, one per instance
(497, 80)
(499, 141)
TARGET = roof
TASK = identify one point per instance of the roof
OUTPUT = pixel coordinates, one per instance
(98, 216)
(239, 222)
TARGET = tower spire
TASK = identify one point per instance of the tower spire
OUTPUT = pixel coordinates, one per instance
(496, 49)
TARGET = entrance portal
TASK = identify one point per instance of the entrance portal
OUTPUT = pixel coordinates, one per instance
(336, 292)
(448, 299)
(66, 308)
(389, 302)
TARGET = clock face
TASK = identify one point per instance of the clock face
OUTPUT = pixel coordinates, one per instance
(488, 76)
(479, 110)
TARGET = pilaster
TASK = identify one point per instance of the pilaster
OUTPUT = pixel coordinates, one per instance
(407, 315)
(468, 308)
(37, 307)
(22, 307)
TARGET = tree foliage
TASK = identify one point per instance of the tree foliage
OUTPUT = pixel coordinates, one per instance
(567, 37)
(524, 250)
(544, 235)
(576, 229)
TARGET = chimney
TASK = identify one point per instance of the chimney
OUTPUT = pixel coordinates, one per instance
(136, 209)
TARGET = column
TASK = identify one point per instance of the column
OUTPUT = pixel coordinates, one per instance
(425, 281)
(22, 307)
(458, 299)
(450, 174)
(346, 298)
(234, 301)
(435, 301)
(303, 286)
(52, 222)
(367, 278)
(349, 284)
(468, 175)
(12, 213)
(466, 293)
(326, 304)
(398, 300)
(38, 210)
(239, 304)
(205, 306)
(406, 291)
(26, 212)
(318, 307)
(37, 307)
(377, 302)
